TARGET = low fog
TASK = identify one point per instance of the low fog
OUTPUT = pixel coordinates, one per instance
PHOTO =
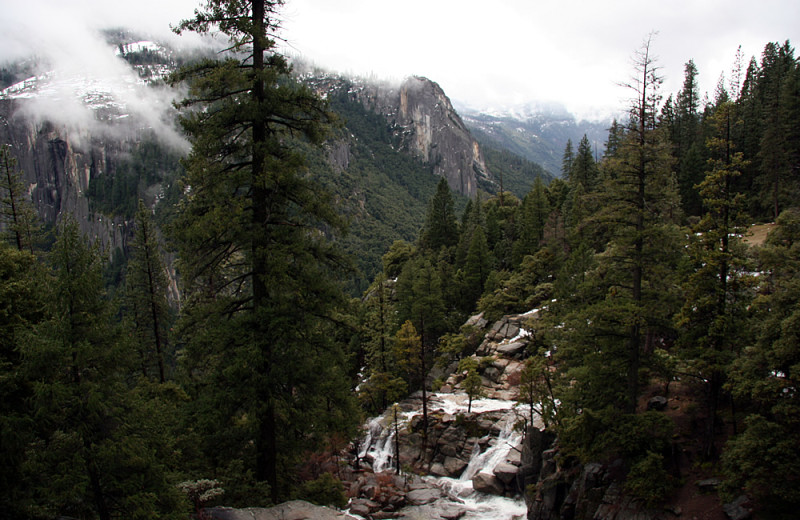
(81, 82)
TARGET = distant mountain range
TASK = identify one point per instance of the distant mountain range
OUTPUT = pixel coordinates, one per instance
(536, 131)
(90, 143)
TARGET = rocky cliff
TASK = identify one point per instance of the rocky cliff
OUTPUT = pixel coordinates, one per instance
(58, 164)
(423, 123)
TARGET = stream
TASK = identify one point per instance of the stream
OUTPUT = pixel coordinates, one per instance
(379, 446)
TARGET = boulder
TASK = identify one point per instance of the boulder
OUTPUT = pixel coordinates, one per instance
(738, 509)
(294, 510)
(657, 403)
(477, 321)
(708, 485)
(506, 472)
(492, 373)
(488, 483)
(422, 496)
(438, 470)
(454, 466)
(363, 507)
(512, 349)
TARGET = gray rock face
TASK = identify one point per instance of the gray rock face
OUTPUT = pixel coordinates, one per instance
(57, 166)
(487, 483)
(426, 125)
(294, 510)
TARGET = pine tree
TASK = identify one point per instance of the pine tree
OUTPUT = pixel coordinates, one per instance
(105, 460)
(567, 159)
(146, 296)
(22, 302)
(584, 169)
(18, 215)
(626, 299)
(441, 227)
(534, 213)
(476, 266)
(255, 255)
(716, 291)
(686, 138)
(762, 460)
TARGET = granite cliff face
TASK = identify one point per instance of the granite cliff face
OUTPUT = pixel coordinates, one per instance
(423, 123)
(58, 165)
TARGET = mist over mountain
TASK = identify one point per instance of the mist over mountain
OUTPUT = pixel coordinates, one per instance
(535, 131)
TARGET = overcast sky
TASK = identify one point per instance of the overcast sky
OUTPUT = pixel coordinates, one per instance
(484, 54)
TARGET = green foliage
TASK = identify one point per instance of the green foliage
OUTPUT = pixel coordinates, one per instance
(648, 480)
(536, 390)
(257, 258)
(17, 214)
(117, 191)
(441, 228)
(93, 437)
(471, 383)
(517, 173)
(327, 490)
(22, 299)
(762, 462)
(606, 434)
(146, 298)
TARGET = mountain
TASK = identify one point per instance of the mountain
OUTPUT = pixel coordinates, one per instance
(422, 122)
(537, 132)
(91, 143)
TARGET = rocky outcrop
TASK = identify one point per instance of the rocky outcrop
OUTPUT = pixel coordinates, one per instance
(424, 124)
(58, 165)
(294, 510)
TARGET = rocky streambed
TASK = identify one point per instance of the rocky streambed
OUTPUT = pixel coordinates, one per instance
(468, 464)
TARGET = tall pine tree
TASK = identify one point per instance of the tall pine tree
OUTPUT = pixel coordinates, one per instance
(254, 249)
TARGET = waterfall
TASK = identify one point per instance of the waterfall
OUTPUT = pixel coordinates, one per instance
(378, 448)
(488, 460)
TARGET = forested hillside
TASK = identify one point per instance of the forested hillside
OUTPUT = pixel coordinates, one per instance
(249, 385)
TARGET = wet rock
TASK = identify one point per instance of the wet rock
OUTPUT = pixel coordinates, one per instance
(507, 473)
(363, 507)
(454, 466)
(418, 497)
(488, 483)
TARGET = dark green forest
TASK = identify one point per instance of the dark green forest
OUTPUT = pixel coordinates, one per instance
(116, 402)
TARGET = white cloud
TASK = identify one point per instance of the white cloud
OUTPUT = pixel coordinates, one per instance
(481, 53)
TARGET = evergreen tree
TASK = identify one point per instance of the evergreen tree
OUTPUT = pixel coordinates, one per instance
(254, 252)
(104, 459)
(626, 301)
(383, 386)
(716, 291)
(584, 169)
(762, 460)
(685, 136)
(567, 160)
(476, 266)
(534, 213)
(22, 301)
(146, 296)
(471, 383)
(441, 227)
(615, 133)
(18, 216)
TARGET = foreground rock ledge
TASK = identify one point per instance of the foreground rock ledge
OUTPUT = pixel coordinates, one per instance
(294, 510)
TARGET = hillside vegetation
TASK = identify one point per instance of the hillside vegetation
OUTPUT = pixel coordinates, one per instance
(240, 390)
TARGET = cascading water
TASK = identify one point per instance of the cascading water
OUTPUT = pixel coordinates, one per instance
(379, 448)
